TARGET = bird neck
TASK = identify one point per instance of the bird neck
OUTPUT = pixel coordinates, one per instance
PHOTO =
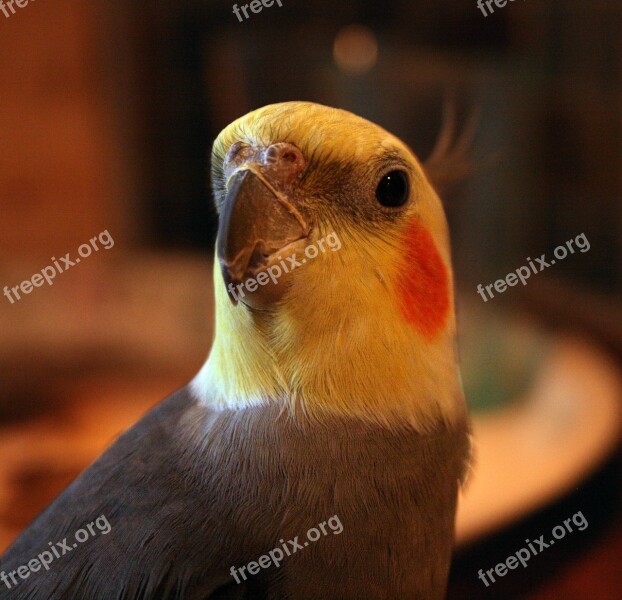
(336, 354)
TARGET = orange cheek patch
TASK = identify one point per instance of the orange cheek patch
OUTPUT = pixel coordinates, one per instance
(423, 286)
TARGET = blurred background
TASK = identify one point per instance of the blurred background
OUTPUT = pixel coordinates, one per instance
(107, 115)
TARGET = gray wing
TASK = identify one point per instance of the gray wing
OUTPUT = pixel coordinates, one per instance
(149, 526)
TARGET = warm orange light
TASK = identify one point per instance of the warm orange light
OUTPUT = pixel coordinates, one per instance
(355, 49)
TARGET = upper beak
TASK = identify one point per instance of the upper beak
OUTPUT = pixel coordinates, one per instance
(256, 222)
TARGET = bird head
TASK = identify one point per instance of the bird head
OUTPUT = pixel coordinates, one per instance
(333, 282)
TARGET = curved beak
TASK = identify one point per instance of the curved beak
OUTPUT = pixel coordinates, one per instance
(256, 223)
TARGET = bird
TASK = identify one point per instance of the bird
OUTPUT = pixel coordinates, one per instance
(330, 402)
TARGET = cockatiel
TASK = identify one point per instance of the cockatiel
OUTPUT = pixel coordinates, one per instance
(331, 391)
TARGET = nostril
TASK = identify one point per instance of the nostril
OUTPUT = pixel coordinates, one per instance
(284, 154)
(289, 156)
(272, 154)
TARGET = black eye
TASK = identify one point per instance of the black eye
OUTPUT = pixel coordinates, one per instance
(392, 191)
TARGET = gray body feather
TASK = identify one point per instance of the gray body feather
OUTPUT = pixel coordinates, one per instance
(190, 492)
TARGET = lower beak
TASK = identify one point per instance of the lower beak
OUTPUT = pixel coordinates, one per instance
(256, 223)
